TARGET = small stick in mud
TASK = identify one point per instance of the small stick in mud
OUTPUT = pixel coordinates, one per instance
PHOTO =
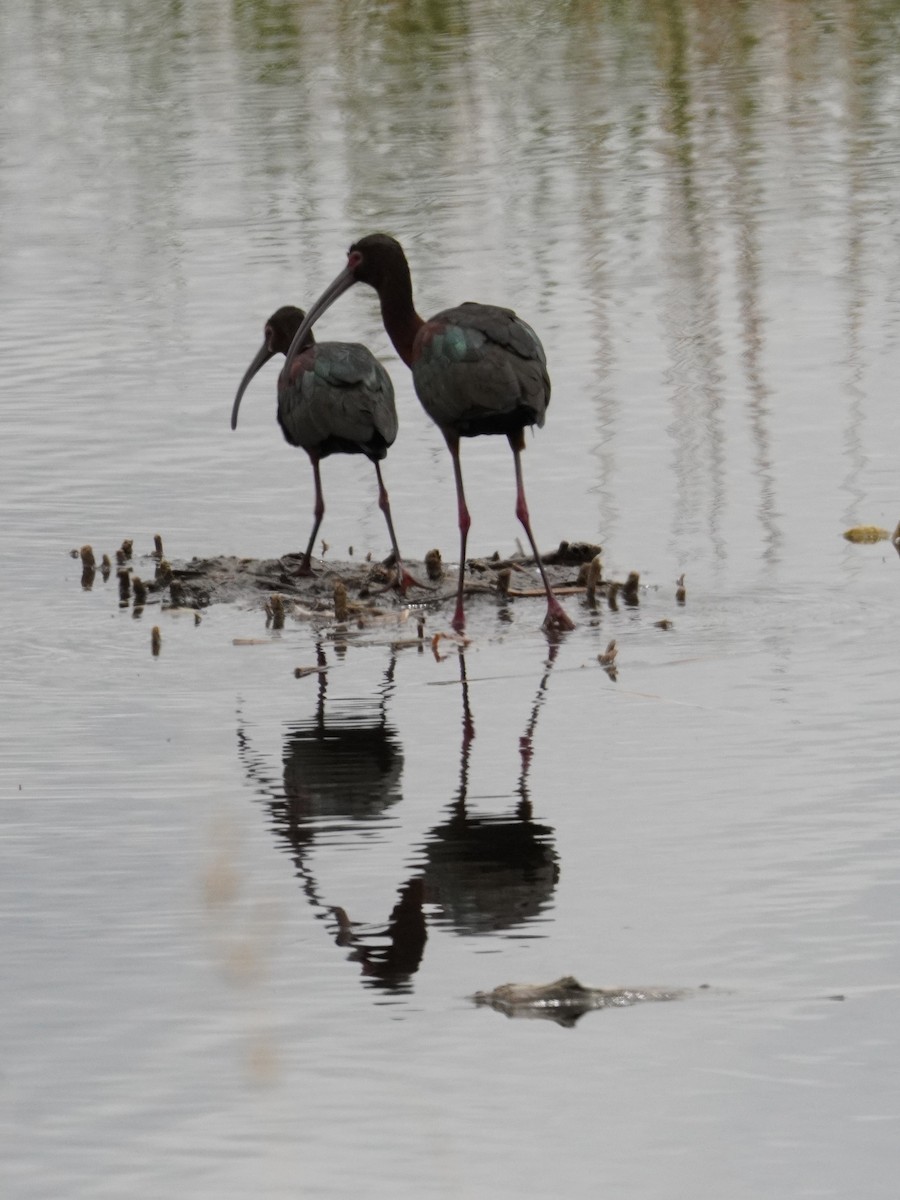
(157, 547)
(140, 591)
(680, 593)
(124, 586)
(105, 567)
(612, 596)
(155, 641)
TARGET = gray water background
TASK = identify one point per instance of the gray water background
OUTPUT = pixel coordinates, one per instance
(696, 205)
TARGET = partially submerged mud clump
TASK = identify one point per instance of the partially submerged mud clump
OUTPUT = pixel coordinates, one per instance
(357, 590)
(565, 1000)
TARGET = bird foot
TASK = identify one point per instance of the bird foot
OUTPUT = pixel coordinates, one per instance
(303, 571)
(403, 580)
(557, 619)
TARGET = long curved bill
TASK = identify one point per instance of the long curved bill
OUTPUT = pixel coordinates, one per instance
(262, 357)
(336, 288)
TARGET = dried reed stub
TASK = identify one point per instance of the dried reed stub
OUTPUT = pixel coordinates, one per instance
(140, 591)
(127, 547)
(120, 557)
(275, 611)
(176, 593)
(607, 660)
(157, 547)
(680, 593)
(593, 577)
(504, 578)
(155, 641)
(124, 586)
(630, 589)
(341, 611)
(163, 573)
(88, 567)
(434, 567)
(612, 595)
(105, 567)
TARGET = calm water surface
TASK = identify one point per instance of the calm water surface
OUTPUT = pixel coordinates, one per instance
(244, 912)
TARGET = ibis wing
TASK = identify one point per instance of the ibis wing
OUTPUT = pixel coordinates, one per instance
(339, 398)
(478, 368)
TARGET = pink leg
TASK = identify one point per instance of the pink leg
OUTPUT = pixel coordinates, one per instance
(459, 617)
(404, 579)
(318, 514)
(557, 617)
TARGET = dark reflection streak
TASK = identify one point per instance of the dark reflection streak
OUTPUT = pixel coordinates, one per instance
(526, 741)
(746, 204)
(858, 81)
(690, 310)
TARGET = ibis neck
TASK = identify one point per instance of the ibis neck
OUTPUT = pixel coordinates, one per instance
(401, 320)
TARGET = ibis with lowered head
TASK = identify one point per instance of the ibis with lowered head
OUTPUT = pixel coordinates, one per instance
(477, 369)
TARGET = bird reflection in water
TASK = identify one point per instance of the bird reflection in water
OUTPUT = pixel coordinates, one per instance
(479, 873)
(339, 772)
(486, 874)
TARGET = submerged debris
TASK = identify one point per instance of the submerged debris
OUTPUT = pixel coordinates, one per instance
(565, 1000)
(571, 554)
(867, 533)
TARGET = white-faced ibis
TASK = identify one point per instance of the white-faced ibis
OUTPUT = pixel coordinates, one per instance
(476, 369)
(333, 398)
